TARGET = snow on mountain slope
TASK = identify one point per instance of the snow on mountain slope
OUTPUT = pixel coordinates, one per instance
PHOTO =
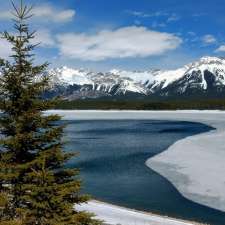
(65, 75)
(152, 77)
(204, 74)
(163, 78)
(105, 82)
(214, 65)
(143, 77)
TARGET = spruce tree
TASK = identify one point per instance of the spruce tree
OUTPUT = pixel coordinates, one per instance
(36, 189)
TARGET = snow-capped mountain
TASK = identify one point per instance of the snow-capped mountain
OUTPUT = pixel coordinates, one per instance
(74, 83)
(205, 76)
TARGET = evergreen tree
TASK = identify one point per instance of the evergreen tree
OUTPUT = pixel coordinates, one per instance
(35, 186)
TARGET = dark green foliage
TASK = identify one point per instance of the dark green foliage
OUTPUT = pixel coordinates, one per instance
(35, 187)
(146, 104)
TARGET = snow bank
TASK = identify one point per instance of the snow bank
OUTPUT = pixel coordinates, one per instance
(117, 215)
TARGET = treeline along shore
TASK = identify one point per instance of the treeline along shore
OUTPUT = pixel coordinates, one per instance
(145, 104)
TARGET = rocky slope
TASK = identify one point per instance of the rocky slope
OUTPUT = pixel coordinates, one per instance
(203, 77)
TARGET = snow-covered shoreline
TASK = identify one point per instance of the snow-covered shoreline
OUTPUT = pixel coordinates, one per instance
(194, 165)
(115, 215)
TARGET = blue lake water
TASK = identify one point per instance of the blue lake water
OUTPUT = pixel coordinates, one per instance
(112, 156)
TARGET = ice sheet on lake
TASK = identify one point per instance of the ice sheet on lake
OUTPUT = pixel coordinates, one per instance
(194, 165)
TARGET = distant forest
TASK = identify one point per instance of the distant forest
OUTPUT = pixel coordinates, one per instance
(144, 104)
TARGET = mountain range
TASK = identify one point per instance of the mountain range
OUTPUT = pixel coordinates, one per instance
(205, 77)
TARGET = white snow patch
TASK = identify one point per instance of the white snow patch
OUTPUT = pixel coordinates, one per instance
(70, 76)
(168, 77)
(115, 215)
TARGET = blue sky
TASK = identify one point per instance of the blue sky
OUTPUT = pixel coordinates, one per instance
(124, 34)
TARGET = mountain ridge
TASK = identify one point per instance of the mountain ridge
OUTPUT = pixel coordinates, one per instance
(205, 76)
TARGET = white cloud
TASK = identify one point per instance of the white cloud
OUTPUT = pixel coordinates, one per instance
(121, 43)
(172, 18)
(45, 38)
(48, 13)
(221, 49)
(209, 39)
(191, 33)
(5, 48)
(45, 13)
(139, 14)
(5, 15)
(146, 15)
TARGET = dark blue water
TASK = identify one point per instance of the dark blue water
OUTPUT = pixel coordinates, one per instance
(112, 156)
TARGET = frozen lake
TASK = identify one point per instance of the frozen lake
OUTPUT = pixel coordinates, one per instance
(112, 161)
